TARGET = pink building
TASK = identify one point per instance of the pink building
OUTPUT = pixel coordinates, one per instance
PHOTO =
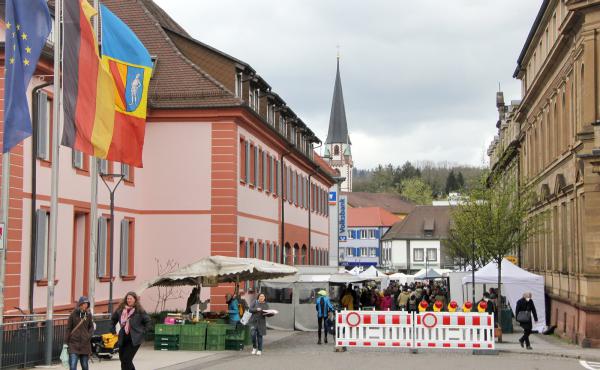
(229, 169)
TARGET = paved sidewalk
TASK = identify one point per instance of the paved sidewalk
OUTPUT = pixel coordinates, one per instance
(546, 345)
(147, 358)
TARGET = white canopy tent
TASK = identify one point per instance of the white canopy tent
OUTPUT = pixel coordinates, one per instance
(375, 274)
(402, 278)
(515, 282)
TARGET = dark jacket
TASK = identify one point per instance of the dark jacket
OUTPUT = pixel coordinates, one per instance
(79, 340)
(258, 321)
(139, 324)
(524, 305)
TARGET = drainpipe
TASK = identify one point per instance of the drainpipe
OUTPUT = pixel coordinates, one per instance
(34, 147)
(282, 245)
(309, 215)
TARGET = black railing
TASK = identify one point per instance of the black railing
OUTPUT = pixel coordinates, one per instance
(24, 341)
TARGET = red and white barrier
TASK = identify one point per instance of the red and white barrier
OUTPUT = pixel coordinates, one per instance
(468, 330)
(374, 329)
(400, 329)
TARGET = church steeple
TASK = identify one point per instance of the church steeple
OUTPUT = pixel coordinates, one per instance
(338, 127)
(337, 144)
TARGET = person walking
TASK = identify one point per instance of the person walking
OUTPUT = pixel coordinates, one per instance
(80, 329)
(233, 309)
(525, 309)
(348, 301)
(403, 299)
(324, 307)
(258, 323)
(134, 322)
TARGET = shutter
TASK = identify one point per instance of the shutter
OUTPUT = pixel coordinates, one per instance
(377, 252)
(42, 125)
(102, 237)
(271, 254)
(41, 242)
(377, 234)
(264, 169)
(124, 261)
(247, 160)
(272, 173)
(265, 251)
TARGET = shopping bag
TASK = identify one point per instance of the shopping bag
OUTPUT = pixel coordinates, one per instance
(64, 356)
(246, 318)
(524, 317)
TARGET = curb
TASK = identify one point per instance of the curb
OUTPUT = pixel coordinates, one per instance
(553, 354)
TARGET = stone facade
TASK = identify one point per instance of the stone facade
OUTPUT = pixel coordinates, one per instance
(551, 140)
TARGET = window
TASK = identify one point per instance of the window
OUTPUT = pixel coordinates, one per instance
(256, 250)
(276, 295)
(256, 165)
(251, 159)
(418, 255)
(126, 261)
(243, 160)
(264, 169)
(431, 254)
(77, 159)
(257, 100)
(238, 85)
(336, 150)
(372, 252)
(251, 97)
(102, 166)
(364, 252)
(364, 234)
(103, 246)
(272, 171)
(247, 162)
(248, 249)
(43, 125)
(277, 184)
(261, 169)
(265, 251)
(41, 244)
(127, 172)
(350, 252)
(272, 253)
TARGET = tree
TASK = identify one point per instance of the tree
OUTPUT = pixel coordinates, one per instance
(460, 181)
(451, 183)
(416, 190)
(495, 216)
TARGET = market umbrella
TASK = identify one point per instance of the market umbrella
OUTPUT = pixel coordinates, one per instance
(223, 270)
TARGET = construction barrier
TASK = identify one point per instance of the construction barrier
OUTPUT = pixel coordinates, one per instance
(400, 329)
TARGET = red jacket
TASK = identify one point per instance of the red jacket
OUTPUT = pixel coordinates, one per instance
(386, 303)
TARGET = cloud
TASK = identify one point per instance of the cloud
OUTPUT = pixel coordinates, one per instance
(419, 77)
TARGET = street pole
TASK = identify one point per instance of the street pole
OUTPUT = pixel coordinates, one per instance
(5, 207)
(57, 104)
(112, 233)
(473, 271)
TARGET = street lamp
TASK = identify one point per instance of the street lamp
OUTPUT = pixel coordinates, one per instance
(473, 269)
(111, 191)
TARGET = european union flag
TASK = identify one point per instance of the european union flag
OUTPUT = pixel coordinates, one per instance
(28, 24)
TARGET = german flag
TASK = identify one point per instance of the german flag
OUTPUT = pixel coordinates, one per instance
(89, 91)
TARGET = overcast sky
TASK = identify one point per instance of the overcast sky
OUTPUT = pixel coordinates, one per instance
(419, 77)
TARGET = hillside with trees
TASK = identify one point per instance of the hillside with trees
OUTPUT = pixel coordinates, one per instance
(421, 182)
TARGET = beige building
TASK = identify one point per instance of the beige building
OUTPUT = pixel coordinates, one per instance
(551, 139)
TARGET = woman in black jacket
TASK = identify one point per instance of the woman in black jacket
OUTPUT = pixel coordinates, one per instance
(134, 322)
(527, 308)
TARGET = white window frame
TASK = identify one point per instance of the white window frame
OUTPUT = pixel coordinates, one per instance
(414, 256)
(102, 247)
(434, 250)
(102, 166)
(126, 171)
(77, 161)
(41, 244)
(125, 242)
(238, 85)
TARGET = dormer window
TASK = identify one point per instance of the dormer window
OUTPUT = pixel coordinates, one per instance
(238, 85)
(257, 100)
(251, 98)
(270, 114)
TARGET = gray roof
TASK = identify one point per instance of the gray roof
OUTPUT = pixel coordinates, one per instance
(434, 219)
(338, 128)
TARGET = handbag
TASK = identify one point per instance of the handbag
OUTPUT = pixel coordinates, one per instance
(246, 318)
(524, 317)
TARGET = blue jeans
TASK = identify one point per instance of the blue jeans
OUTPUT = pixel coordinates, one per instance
(83, 359)
(257, 339)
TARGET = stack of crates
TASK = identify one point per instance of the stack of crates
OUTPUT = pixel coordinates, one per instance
(235, 338)
(166, 337)
(215, 336)
(193, 337)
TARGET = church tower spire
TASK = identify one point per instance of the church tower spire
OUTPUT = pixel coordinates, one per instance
(338, 144)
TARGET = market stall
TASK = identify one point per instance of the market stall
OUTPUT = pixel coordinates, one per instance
(217, 269)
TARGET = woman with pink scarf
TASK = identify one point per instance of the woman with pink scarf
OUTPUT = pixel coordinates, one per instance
(134, 322)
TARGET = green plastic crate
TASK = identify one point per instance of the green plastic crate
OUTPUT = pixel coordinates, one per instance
(191, 340)
(167, 329)
(192, 346)
(193, 330)
(162, 338)
(219, 347)
(235, 334)
(234, 345)
(166, 346)
(247, 337)
(217, 329)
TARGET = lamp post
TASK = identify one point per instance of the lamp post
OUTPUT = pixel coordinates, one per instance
(103, 176)
(473, 270)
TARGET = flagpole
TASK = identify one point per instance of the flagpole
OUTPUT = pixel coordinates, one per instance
(5, 207)
(56, 117)
(93, 209)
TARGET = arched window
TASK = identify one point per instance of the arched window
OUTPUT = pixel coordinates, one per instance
(336, 150)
